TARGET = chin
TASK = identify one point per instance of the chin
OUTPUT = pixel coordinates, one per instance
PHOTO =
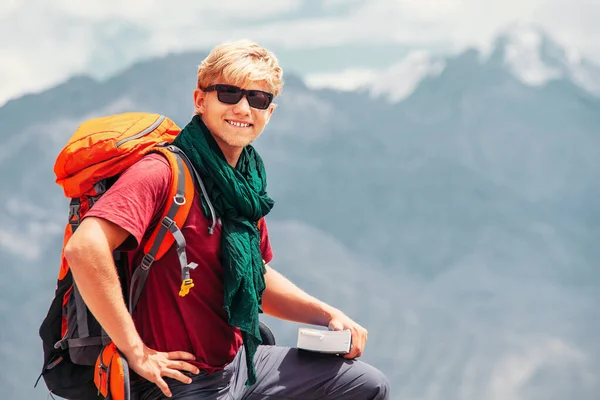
(237, 140)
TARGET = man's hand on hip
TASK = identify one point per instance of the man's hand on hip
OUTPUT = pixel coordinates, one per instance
(153, 365)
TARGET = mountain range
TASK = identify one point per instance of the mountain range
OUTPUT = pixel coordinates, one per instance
(458, 222)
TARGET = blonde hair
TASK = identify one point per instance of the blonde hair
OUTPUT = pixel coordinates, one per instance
(240, 62)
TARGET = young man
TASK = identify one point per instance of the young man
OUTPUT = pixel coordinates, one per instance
(205, 345)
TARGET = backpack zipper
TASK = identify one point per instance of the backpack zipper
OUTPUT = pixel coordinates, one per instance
(144, 132)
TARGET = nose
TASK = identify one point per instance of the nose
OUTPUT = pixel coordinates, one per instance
(242, 107)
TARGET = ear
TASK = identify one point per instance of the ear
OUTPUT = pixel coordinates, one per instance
(270, 111)
(199, 99)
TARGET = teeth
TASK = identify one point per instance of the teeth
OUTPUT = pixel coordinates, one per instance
(238, 124)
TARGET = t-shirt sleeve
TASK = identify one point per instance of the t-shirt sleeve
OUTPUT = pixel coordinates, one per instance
(136, 199)
(265, 243)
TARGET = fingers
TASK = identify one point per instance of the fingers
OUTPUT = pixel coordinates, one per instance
(180, 355)
(336, 325)
(162, 385)
(183, 366)
(355, 352)
(157, 365)
(178, 375)
(173, 368)
(359, 340)
(359, 334)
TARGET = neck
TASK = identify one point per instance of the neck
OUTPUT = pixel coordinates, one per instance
(232, 154)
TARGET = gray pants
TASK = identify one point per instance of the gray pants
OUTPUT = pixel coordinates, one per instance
(282, 373)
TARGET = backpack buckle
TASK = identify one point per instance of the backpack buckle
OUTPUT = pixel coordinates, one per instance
(92, 200)
(167, 222)
(186, 282)
(186, 285)
(147, 262)
(74, 218)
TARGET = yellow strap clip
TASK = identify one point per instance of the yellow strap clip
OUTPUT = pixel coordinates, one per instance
(186, 285)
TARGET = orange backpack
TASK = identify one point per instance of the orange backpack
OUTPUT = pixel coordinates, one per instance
(75, 346)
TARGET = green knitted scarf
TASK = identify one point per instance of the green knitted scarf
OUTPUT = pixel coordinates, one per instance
(239, 197)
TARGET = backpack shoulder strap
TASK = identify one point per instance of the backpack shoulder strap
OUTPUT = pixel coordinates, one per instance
(179, 202)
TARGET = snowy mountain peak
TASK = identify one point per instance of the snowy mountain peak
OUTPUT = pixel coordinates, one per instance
(523, 49)
(524, 36)
(394, 83)
(526, 51)
(535, 58)
(401, 79)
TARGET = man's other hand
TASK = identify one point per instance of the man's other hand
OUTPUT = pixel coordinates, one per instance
(359, 334)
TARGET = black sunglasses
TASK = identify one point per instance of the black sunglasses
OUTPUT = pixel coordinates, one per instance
(230, 94)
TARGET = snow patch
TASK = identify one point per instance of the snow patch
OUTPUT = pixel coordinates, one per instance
(523, 55)
(347, 80)
(536, 59)
(394, 83)
(401, 79)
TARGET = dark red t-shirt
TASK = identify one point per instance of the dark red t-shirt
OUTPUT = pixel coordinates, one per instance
(196, 323)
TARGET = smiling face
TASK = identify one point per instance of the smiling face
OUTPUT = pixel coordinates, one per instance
(246, 65)
(233, 126)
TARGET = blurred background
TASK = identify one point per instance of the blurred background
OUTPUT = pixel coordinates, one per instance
(434, 164)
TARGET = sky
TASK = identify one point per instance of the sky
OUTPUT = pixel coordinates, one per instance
(44, 42)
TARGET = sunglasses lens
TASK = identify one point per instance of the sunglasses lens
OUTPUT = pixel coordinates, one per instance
(229, 94)
(258, 99)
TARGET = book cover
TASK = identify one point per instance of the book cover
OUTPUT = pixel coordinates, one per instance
(324, 341)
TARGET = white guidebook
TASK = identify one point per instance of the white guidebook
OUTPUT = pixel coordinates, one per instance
(323, 341)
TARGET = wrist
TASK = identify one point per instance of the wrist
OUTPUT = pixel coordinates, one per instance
(133, 347)
(132, 353)
(328, 313)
